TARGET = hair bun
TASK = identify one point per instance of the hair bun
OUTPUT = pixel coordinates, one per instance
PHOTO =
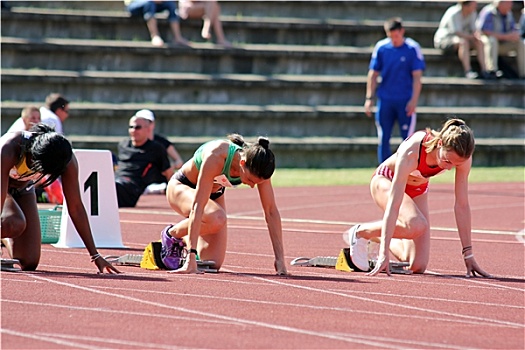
(263, 142)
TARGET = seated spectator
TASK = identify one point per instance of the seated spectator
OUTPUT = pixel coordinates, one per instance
(147, 10)
(140, 163)
(55, 112)
(500, 35)
(30, 116)
(457, 33)
(522, 22)
(160, 184)
(209, 11)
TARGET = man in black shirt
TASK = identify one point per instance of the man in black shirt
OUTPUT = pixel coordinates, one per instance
(140, 163)
(159, 184)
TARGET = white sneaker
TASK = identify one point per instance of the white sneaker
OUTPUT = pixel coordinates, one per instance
(358, 249)
(157, 41)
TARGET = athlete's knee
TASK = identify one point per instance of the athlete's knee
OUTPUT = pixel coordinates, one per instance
(29, 266)
(418, 266)
(13, 226)
(216, 220)
(417, 226)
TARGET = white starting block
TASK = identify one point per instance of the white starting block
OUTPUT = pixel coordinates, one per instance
(99, 196)
(343, 262)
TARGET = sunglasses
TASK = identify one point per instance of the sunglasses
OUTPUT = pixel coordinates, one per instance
(136, 127)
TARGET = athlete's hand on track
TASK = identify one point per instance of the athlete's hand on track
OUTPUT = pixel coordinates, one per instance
(102, 265)
(383, 264)
(280, 267)
(473, 269)
(190, 266)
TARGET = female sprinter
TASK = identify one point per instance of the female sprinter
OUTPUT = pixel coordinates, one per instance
(196, 192)
(399, 187)
(27, 157)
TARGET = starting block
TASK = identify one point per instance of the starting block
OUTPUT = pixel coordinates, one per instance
(9, 265)
(343, 262)
(136, 259)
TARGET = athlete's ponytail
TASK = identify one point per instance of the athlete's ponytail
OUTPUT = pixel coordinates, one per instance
(455, 136)
(50, 152)
(260, 160)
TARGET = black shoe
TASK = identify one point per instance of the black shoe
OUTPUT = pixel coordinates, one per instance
(489, 75)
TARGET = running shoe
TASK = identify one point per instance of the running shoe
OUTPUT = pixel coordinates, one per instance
(173, 252)
(358, 249)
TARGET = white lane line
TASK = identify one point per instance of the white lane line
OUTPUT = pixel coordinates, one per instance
(325, 222)
(114, 341)
(345, 338)
(520, 236)
(117, 312)
(407, 307)
(308, 306)
(48, 339)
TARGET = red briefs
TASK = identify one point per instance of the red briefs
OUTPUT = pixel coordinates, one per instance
(411, 190)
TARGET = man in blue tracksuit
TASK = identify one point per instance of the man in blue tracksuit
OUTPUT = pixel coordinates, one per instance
(400, 63)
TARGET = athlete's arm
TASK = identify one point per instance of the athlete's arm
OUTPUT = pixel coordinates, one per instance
(406, 162)
(9, 159)
(463, 217)
(213, 158)
(78, 214)
(273, 221)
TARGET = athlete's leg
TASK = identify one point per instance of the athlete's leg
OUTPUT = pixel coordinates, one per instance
(26, 239)
(416, 251)
(213, 234)
(213, 246)
(384, 123)
(180, 197)
(13, 219)
(411, 222)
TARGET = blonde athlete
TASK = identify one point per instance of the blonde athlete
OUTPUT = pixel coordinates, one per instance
(399, 187)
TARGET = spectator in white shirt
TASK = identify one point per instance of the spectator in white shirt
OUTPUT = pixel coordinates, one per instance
(55, 112)
(30, 116)
(457, 33)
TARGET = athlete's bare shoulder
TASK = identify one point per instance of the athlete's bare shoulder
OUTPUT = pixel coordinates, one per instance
(408, 151)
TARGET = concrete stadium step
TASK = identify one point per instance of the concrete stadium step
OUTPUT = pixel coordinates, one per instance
(112, 55)
(342, 152)
(248, 89)
(374, 10)
(80, 24)
(193, 120)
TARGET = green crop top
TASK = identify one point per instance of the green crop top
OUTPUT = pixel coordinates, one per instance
(197, 159)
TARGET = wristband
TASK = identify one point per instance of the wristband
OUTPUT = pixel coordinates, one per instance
(470, 256)
(95, 257)
(466, 249)
(369, 98)
(194, 251)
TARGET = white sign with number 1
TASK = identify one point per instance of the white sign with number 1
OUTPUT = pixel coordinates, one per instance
(99, 196)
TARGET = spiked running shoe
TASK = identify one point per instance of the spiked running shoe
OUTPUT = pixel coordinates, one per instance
(173, 252)
(358, 249)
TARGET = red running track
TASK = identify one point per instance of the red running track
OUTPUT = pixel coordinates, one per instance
(66, 305)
